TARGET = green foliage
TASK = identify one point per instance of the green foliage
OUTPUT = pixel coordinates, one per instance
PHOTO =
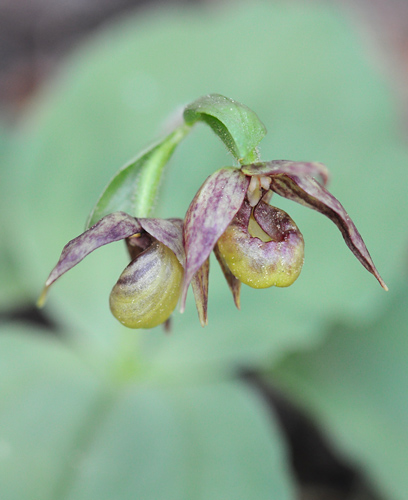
(86, 415)
(356, 384)
(79, 436)
(13, 290)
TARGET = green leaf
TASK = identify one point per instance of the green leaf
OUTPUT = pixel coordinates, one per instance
(47, 395)
(78, 436)
(211, 441)
(235, 124)
(356, 383)
(13, 288)
(134, 188)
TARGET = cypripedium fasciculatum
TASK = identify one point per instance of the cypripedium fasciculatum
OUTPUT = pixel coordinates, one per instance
(148, 290)
(255, 243)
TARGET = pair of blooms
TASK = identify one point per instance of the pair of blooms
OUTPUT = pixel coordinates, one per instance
(254, 242)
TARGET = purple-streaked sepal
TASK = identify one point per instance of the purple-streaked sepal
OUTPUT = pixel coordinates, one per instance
(112, 227)
(271, 168)
(138, 234)
(199, 284)
(308, 192)
(167, 231)
(207, 217)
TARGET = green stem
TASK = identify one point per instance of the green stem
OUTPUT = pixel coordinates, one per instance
(150, 176)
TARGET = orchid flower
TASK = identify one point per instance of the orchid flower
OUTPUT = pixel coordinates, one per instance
(148, 290)
(255, 243)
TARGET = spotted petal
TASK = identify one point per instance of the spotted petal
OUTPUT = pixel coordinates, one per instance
(308, 192)
(208, 215)
(270, 168)
(113, 227)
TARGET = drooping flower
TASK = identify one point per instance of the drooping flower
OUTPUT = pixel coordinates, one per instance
(255, 243)
(149, 288)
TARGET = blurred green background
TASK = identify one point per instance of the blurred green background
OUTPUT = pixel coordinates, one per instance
(90, 410)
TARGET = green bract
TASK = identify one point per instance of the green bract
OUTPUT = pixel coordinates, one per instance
(235, 124)
(134, 188)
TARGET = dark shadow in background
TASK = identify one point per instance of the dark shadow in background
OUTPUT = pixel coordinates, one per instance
(322, 474)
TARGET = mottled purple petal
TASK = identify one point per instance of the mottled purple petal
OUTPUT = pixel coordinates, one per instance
(167, 231)
(199, 284)
(233, 282)
(298, 168)
(207, 217)
(113, 227)
(308, 192)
